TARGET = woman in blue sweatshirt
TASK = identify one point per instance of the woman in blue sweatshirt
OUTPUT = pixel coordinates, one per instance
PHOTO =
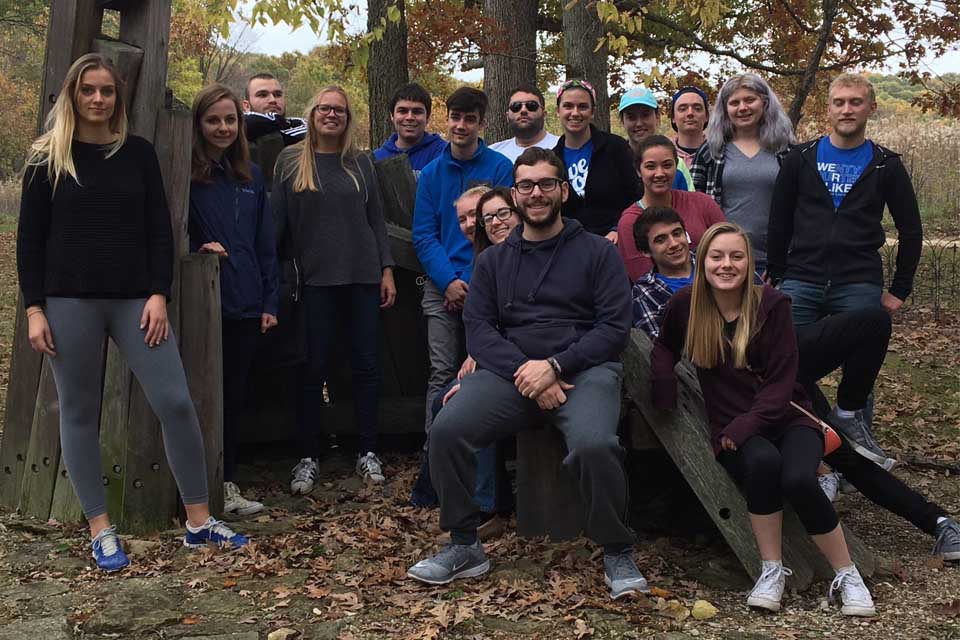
(230, 216)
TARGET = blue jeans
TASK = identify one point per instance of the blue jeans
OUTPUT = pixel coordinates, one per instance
(361, 304)
(811, 302)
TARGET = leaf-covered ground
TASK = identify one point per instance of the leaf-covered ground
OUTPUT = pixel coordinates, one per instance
(332, 565)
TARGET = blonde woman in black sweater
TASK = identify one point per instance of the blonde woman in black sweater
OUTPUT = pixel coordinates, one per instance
(95, 258)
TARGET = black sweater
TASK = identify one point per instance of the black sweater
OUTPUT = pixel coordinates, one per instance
(612, 183)
(107, 237)
(809, 240)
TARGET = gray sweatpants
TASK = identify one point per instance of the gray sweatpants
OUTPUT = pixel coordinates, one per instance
(78, 326)
(489, 407)
(446, 345)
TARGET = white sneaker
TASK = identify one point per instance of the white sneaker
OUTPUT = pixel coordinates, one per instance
(234, 502)
(768, 591)
(304, 475)
(369, 466)
(856, 598)
(830, 484)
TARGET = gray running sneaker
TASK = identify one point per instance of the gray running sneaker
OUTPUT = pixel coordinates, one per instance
(857, 432)
(452, 562)
(948, 540)
(621, 574)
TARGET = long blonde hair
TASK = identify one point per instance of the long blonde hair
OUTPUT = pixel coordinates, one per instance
(303, 167)
(706, 340)
(54, 148)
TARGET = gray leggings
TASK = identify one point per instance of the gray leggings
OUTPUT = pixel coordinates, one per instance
(78, 326)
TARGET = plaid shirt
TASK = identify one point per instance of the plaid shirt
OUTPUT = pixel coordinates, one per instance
(707, 173)
(650, 297)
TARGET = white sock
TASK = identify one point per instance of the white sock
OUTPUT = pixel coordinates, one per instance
(774, 563)
(200, 528)
(848, 569)
(843, 413)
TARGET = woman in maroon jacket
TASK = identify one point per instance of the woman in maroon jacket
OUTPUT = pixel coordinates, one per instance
(740, 338)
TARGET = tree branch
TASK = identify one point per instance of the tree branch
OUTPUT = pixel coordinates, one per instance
(796, 17)
(702, 45)
(830, 10)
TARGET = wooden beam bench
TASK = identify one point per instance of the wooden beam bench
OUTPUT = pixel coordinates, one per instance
(547, 500)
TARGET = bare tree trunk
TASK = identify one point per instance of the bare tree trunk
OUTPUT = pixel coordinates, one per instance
(581, 32)
(830, 9)
(504, 70)
(387, 68)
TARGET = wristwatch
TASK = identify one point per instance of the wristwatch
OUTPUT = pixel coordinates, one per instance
(554, 365)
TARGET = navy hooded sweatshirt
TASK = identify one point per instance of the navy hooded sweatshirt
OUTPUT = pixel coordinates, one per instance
(567, 297)
(237, 215)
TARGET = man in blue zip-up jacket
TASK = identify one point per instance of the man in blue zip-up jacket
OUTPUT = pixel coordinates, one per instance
(443, 250)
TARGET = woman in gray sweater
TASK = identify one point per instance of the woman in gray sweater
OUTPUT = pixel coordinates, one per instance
(329, 216)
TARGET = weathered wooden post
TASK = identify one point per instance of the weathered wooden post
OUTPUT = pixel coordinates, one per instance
(141, 494)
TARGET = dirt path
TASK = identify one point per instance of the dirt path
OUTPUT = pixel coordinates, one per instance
(332, 566)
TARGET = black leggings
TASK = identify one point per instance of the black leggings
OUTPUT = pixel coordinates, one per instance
(857, 341)
(771, 470)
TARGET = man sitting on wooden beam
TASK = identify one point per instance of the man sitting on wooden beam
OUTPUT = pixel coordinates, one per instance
(855, 340)
(547, 318)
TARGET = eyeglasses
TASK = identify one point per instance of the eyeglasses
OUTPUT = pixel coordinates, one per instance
(325, 109)
(501, 214)
(525, 187)
(532, 106)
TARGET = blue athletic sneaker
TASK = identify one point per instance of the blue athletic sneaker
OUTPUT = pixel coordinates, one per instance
(107, 550)
(215, 532)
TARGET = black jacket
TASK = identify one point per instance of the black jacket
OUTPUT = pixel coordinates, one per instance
(809, 240)
(612, 183)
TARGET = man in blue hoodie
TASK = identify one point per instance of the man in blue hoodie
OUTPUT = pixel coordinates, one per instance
(547, 318)
(409, 113)
(443, 250)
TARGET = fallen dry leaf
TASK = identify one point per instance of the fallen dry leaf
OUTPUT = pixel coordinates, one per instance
(948, 610)
(703, 610)
(581, 629)
(191, 619)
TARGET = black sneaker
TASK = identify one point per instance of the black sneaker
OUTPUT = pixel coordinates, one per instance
(948, 540)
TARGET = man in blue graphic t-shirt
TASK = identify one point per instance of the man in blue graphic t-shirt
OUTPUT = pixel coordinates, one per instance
(827, 212)
(826, 227)
(841, 167)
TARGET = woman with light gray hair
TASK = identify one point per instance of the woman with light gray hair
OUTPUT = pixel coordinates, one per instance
(739, 163)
